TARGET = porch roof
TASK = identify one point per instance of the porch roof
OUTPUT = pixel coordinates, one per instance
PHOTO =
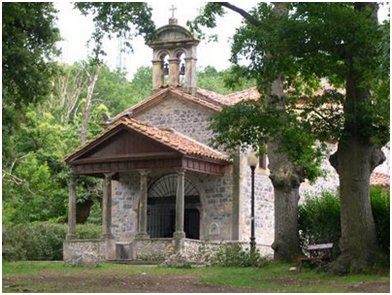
(129, 144)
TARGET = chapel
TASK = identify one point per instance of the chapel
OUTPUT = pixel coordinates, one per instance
(166, 189)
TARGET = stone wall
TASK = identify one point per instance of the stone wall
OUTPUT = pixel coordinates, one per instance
(185, 117)
(264, 205)
(125, 202)
(84, 252)
(216, 194)
(153, 249)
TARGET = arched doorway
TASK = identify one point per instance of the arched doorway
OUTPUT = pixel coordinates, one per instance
(161, 208)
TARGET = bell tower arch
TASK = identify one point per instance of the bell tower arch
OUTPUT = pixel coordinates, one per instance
(174, 57)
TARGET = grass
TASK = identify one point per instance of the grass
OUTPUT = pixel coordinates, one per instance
(27, 276)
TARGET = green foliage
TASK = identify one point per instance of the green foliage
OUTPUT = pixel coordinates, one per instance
(41, 240)
(34, 184)
(310, 45)
(29, 36)
(380, 201)
(319, 218)
(222, 82)
(235, 256)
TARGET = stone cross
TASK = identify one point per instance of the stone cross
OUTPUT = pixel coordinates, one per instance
(172, 9)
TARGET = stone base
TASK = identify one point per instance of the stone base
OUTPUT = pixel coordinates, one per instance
(142, 236)
(84, 252)
(179, 237)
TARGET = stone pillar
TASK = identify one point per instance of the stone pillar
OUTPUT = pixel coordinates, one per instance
(72, 208)
(174, 71)
(142, 234)
(157, 80)
(190, 75)
(179, 234)
(107, 207)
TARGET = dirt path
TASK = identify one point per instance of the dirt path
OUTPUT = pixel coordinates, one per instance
(131, 284)
(144, 282)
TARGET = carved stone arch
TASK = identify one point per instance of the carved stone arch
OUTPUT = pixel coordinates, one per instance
(178, 52)
(160, 54)
(166, 185)
(161, 206)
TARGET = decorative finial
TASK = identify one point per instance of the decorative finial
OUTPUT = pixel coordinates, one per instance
(172, 9)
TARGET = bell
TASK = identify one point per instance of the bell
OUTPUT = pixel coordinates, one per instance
(166, 69)
(182, 70)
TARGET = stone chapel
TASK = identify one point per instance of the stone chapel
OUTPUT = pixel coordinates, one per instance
(165, 189)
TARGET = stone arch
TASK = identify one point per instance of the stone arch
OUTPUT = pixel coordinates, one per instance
(161, 207)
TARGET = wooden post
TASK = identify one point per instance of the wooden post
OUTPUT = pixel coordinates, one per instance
(179, 234)
(107, 207)
(142, 233)
(72, 208)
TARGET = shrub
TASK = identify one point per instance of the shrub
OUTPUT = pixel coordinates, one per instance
(381, 212)
(319, 219)
(234, 255)
(41, 240)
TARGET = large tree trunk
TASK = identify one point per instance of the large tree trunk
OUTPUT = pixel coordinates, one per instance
(354, 161)
(286, 179)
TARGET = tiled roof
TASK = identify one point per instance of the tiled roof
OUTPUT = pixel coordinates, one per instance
(380, 179)
(209, 95)
(229, 99)
(246, 94)
(170, 138)
(157, 97)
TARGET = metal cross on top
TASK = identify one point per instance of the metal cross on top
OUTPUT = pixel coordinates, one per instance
(172, 9)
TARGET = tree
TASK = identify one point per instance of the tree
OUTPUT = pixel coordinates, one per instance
(29, 37)
(343, 44)
(223, 82)
(286, 175)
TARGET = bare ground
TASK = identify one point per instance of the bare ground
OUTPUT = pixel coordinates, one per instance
(144, 283)
(133, 283)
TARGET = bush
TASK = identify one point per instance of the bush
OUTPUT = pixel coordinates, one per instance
(319, 219)
(381, 212)
(41, 240)
(234, 255)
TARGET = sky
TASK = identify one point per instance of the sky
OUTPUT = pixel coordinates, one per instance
(76, 30)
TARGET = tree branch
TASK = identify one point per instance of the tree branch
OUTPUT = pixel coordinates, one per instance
(252, 20)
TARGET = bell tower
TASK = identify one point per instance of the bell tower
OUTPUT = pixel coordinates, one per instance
(174, 57)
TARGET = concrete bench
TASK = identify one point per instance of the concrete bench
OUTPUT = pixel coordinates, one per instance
(319, 254)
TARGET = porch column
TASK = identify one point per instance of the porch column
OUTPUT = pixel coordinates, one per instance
(142, 234)
(72, 208)
(179, 234)
(107, 207)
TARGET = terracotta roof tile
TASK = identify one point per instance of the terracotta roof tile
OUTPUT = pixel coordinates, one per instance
(157, 97)
(380, 179)
(246, 94)
(170, 138)
(175, 140)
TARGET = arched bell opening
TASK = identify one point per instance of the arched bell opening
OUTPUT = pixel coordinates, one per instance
(165, 69)
(180, 56)
(161, 208)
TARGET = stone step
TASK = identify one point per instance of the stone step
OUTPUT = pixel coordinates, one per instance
(134, 262)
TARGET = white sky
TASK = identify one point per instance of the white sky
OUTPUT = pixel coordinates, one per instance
(76, 30)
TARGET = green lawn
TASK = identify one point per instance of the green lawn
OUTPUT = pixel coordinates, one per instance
(57, 277)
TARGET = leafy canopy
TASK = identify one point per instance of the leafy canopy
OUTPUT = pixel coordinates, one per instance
(315, 45)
